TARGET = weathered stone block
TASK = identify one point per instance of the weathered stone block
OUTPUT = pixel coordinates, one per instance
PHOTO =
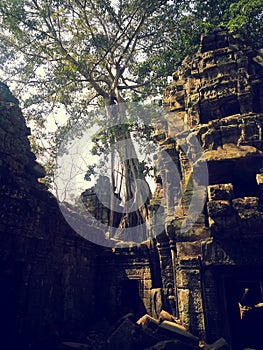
(174, 330)
(147, 321)
(251, 223)
(259, 178)
(224, 226)
(214, 254)
(121, 338)
(251, 131)
(245, 204)
(183, 300)
(219, 208)
(196, 297)
(188, 278)
(166, 316)
(156, 301)
(220, 192)
(188, 249)
(230, 133)
(219, 344)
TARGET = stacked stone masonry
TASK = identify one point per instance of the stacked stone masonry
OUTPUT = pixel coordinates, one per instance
(218, 94)
(55, 281)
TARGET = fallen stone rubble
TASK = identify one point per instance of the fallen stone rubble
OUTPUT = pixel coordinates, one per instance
(148, 333)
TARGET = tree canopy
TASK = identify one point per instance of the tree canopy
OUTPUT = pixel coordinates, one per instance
(72, 52)
(78, 53)
(75, 53)
(243, 17)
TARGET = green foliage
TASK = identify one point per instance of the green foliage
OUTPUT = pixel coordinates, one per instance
(72, 54)
(91, 171)
(198, 17)
(109, 141)
(246, 17)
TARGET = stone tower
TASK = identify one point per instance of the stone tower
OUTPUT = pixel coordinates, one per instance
(218, 93)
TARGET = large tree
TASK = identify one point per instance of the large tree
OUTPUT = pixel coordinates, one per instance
(78, 52)
(75, 51)
(83, 49)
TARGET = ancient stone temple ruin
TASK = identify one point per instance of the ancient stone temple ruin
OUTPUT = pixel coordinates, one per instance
(219, 93)
(204, 271)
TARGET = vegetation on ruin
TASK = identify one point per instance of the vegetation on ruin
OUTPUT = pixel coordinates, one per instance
(74, 54)
(78, 53)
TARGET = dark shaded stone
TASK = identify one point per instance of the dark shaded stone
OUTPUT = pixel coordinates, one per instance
(174, 330)
(171, 345)
(130, 336)
(220, 344)
(148, 322)
(220, 192)
(219, 208)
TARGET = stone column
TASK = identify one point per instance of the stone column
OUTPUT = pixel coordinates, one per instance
(172, 244)
(166, 265)
(189, 287)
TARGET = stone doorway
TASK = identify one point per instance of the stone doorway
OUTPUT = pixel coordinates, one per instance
(130, 298)
(244, 306)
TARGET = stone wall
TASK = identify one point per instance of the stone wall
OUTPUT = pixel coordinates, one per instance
(218, 93)
(47, 272)
(54, 283)
(224, 78)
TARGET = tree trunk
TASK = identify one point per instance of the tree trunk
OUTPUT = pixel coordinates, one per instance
(135, 209)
